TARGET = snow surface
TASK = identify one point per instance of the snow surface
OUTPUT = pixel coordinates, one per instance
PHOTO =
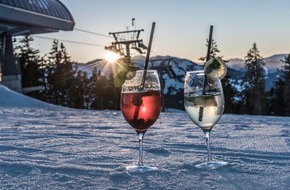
(50, 147)
(10, 98)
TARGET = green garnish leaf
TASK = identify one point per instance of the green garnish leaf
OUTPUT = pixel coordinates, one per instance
(125, 72)
(214, 65)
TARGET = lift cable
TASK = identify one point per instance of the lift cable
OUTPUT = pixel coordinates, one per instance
(86, 31)
(69, 41)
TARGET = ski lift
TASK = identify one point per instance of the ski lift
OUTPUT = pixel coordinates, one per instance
(141, 45)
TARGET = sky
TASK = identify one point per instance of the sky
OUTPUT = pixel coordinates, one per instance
(182, 26)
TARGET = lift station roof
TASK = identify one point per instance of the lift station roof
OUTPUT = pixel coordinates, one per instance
(24, 17)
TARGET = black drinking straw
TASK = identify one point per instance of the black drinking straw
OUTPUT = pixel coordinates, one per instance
(200, 113)
(209, 43)
(208, 55)
(139, 100)
(148, 54)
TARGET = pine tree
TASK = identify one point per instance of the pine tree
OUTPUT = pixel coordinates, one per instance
(86, 93)
(213, 51)
(254, 94)
(30, 64)
(277, 100)
(281, 92)
(286, 76)
(80, 97)
(59, 76)
(113, 94)
(95, 90)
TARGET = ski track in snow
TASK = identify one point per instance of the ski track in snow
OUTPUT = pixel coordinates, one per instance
(60, 148)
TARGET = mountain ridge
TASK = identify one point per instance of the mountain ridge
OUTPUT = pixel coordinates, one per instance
(272, 63)
(173, 69)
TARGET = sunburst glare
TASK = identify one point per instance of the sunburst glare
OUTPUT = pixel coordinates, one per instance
(111, 57)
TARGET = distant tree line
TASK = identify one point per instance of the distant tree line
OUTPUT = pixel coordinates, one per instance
(62, 83)
(59, 80)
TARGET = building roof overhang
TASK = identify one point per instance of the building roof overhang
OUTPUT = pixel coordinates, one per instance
(25, 17)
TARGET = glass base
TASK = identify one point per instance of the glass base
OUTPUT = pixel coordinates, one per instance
(211, 165)
(140, 169)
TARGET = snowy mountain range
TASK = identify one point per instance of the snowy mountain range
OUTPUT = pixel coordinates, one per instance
(173, 69)
(236, 68)
(272, 63)
(271, 67)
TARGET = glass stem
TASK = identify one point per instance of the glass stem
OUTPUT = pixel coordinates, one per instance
(207, 137)
(140, 136)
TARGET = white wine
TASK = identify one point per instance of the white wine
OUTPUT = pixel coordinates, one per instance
(204, 103)
(204, 110)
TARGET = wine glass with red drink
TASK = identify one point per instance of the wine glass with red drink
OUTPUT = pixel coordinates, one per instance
(141, 106)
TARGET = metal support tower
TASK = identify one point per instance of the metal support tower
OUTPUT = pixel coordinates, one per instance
(126, 40)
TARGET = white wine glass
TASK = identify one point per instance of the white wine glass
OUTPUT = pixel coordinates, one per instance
(204, 103)
(141, 106)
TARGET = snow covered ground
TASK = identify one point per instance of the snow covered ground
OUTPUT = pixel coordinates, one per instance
(49, 147)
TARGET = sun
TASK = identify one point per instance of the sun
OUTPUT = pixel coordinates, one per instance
(111, 57)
